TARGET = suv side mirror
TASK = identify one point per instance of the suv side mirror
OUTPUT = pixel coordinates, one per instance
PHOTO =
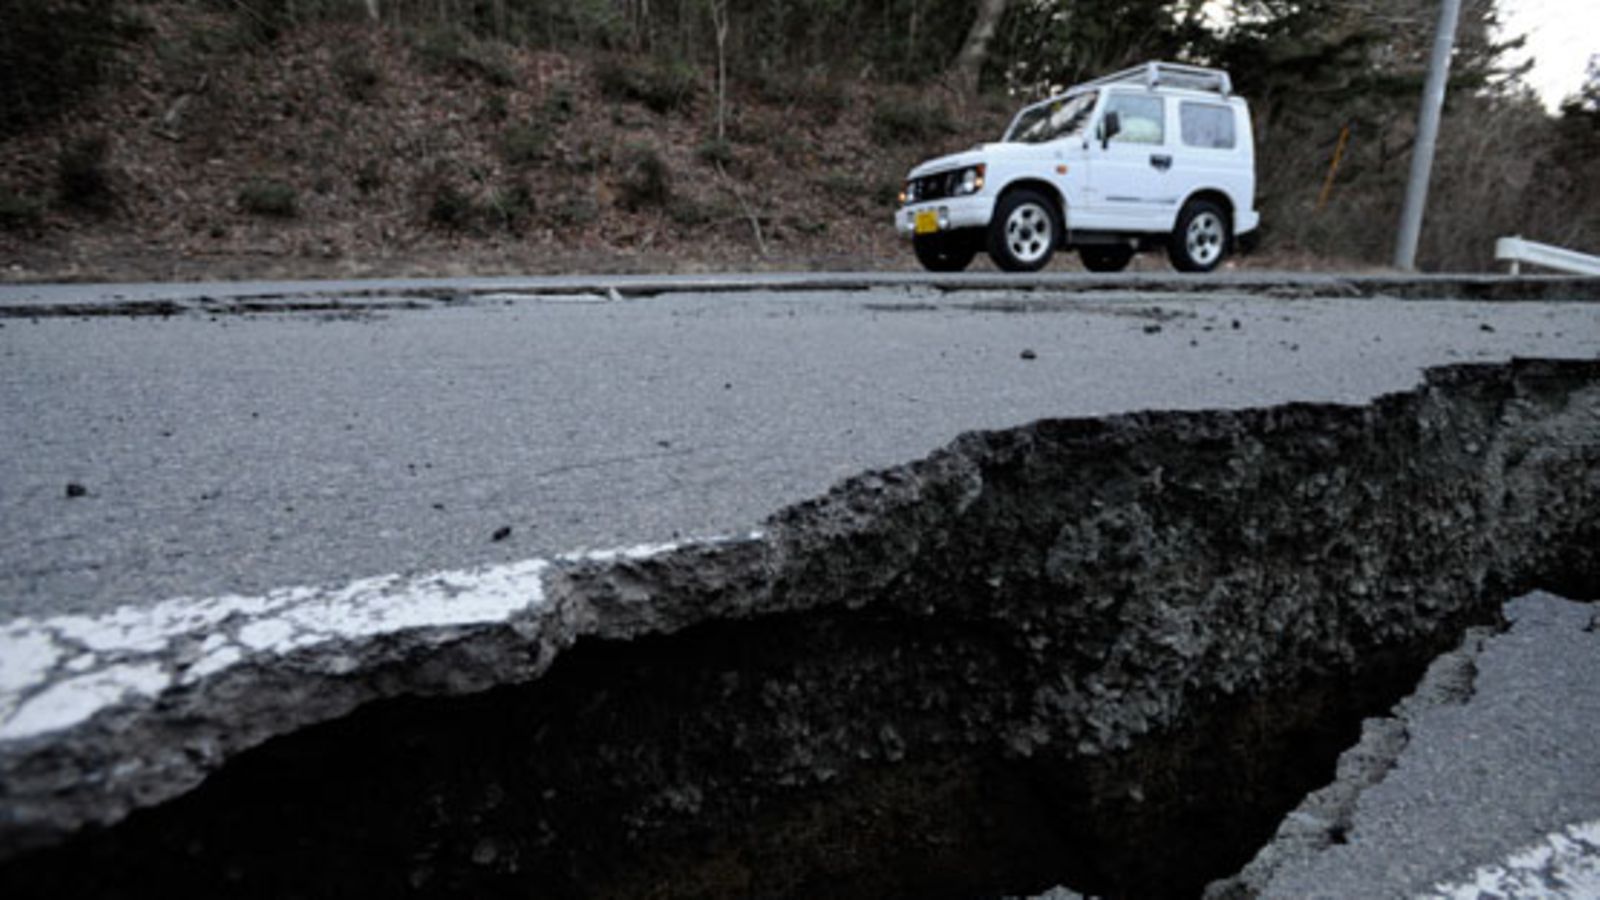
(1110, 127)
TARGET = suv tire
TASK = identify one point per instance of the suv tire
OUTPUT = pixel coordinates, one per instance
(1024, 231)
(1201, 239)
(1106, 259)
(944, 252)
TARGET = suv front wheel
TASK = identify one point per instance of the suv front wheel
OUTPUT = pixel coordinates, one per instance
(1201, 239)
(1024, 231)
(944, 252)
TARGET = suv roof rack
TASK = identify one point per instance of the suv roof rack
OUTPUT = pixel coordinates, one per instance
(1175, 75)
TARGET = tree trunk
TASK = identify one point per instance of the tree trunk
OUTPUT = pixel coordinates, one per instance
(975, 50)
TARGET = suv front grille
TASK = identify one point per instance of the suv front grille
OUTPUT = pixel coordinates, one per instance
(934, 187)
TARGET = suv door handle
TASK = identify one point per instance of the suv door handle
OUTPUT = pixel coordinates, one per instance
(1160, 161)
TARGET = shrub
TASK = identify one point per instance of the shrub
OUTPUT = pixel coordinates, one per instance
(268, 197)
(908, 121)
(511, 208)
(826, 98)
(688, 213)
(714, 152)
(586, 157)
(661, 86)
(357, 76)
(560, 105)
(494, 108)
(523, 145)
(369, 178)
(844, 186)
(451, 208)
(575, 209)
(450, 49)
(20, 212)
(81, 175)
(816, 91)
(52, 52)
(646, 181)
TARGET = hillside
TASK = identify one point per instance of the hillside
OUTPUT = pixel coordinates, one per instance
(249, 138)
(347, 149)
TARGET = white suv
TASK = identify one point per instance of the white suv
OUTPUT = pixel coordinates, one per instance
(1157, 155)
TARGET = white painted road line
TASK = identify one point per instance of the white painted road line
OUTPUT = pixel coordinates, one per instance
(59, 671)
(1564, 865)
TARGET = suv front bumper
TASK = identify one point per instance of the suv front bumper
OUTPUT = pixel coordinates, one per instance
(953, 213)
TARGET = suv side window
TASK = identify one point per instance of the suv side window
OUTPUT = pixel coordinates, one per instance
(1206, 125)
(1142, 119)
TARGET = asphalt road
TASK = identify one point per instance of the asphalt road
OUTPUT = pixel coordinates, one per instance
(244, 452)
(1497, 791)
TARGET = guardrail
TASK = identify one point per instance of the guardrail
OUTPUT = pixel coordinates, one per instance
(1519, 251)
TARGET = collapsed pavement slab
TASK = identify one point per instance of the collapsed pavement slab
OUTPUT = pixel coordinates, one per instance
(1107, 653)
(1482, 782)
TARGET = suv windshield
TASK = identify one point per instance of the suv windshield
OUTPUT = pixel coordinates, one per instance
(1052, 120)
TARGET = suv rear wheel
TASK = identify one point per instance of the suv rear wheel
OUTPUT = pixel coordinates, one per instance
(944, 252)
(1024, 231)
(1106, 259)
(1201, 239)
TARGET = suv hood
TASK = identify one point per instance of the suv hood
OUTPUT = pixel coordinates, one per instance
(998, 152)
(960, 160)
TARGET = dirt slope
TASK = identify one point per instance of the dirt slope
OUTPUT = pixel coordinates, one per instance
(345, 148)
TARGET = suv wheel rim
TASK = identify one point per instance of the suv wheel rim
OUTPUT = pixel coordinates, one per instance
(1204, 238)
(1029, 233)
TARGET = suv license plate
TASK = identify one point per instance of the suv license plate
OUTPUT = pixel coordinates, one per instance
(927, 222)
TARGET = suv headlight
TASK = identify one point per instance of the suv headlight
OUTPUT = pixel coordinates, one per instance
(970, 182)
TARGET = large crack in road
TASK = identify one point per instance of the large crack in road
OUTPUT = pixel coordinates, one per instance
(1107, 653)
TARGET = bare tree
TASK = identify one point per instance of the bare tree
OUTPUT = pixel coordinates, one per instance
(975, 50)
(719, 21)
(372, 10)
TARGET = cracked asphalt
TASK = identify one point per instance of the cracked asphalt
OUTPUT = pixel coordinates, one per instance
(1484, 779)
(144, 458)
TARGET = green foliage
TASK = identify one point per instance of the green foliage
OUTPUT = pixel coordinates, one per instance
(843, 186)
(586, 157)
(451, 208)
(358, 77)
(1048, 46)
(575, 210)
(895, 40)
(268, 197)
(900, 121)
(646, 180)
(826, 98)
(53, 52)
(715, 152)
(453, 50)
(369, 178)
(82, 177)
(560, 104)
(261, 22)
(20, 212)
(524, 145)
(510, 208)
(662, 86)
(1581, 112)
(816, 91)
(688, 214)
(886, 193)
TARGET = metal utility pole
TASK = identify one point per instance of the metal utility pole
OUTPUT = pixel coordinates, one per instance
(1444, 43)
